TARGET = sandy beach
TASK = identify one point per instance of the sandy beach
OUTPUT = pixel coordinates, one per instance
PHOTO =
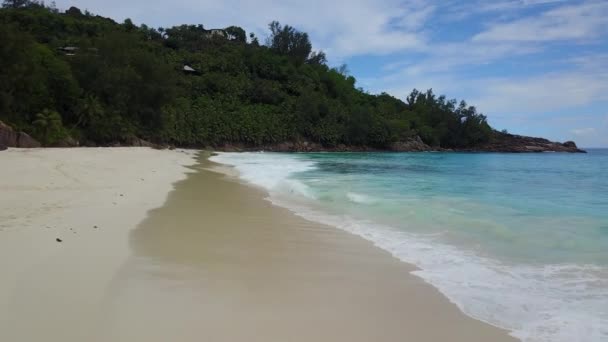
(153, 250)
(90, 199)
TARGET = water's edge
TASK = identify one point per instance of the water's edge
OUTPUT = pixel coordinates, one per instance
(537, 317)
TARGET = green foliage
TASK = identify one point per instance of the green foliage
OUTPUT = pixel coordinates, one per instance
(89, 77)
(237, 34)
(16, 3)
(48, 127)
(286, 40)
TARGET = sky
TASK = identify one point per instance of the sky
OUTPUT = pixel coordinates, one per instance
(534, 67)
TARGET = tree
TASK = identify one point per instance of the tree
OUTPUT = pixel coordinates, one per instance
(89, 110)
(287, 40)
(254, 40)
(317, 57)
(49, 126)
(126, 81)
(129, 26)
(236, 34)
(73, 11)
(16, 3)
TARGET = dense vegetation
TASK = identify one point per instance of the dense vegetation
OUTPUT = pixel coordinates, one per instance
(83, 76)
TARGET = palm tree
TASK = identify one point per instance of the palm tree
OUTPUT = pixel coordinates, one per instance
(89, 110)
(49, 126)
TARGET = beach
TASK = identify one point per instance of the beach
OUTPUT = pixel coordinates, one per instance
(90, 199)
(162, 246)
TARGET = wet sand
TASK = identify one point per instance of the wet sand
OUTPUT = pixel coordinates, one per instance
(216, 262)
(219, 263)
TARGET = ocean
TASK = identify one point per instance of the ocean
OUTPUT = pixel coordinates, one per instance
(516, 240)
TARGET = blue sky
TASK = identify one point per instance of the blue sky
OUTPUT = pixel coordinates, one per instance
(534, 67)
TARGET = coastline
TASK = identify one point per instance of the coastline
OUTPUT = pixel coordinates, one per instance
(500, 143)
(214, 262)
(269, 275)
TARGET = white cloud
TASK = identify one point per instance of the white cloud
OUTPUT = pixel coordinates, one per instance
(591, 136)
(449, 56)
(575, 22)
(342, 28)
(570, 81)
(460, 10)
(541, 2)
(541, 93)
(582, 85)
(414, 17)
(583, 131)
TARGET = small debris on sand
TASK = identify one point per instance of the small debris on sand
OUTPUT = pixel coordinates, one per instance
(58, 240)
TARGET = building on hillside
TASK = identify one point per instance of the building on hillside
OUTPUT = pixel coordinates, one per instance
(216, 33)
(190, 70)
(68, 50)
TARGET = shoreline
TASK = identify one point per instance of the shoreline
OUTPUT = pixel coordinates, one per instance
(490, 279)
(276, 276)
(501, 143)
(213, 261)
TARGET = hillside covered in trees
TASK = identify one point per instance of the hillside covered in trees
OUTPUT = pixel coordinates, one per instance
(76, 78)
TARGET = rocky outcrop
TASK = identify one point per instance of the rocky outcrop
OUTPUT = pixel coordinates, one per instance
(25, 141)
(66, 142)
(10, 138)
(297, 146)
(411, 145)
(135, 141)
(504, 142)
(501, 142)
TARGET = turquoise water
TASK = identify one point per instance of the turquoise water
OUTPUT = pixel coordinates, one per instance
(516, 240)
(532, 208)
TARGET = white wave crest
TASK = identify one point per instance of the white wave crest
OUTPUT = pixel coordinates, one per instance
(360, 198)
(270, 171)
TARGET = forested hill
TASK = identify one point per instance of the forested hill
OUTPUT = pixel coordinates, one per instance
(72, 77)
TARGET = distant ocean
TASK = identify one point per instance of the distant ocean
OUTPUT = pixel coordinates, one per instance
(516, 240)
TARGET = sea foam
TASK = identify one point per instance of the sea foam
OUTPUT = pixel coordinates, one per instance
(360, 198)
(270, 171)
(537, 303)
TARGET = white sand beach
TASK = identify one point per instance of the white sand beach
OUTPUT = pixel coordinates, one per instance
(90, 199)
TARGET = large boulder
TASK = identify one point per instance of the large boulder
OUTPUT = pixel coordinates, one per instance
(66, 142)
(25, 141)
(135, 141)
(414, 144)
(504, 142)
(8, 137)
